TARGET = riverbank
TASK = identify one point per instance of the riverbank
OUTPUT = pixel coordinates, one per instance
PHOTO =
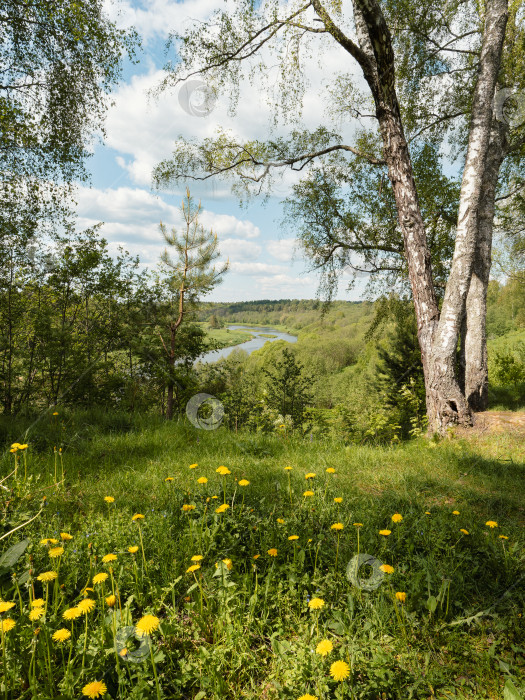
(226, 337)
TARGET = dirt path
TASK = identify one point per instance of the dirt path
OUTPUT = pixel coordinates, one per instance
(499, 422)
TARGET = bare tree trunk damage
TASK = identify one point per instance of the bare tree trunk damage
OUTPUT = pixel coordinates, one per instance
(474, 336)
(446, 404)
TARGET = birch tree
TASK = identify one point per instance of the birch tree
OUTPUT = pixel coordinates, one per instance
(217, 49)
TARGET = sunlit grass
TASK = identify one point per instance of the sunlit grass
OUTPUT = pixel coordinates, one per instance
(225, 602)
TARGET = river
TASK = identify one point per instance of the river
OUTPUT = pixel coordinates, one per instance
(250, 345)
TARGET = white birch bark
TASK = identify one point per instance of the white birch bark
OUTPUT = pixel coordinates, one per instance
(446, 403)
(475, 336)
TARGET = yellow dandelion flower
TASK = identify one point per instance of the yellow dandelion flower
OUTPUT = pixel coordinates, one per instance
(47, 576)
(223, 471)
(109, 557)
(86, 606)
(65, 536)
(168, 478)
(293, 537)
(491, 523)
(401, 596)
(202, 480)
(316, 604)
(324, 647)
(36, 614)
(23, 447)
(338, 499)
(427, 512)
(358, 524)
(56, 552)
(96, 689)
(49, 540)
(339, 670)
(307, 494)
(4, 606)
(109, 499)
(280, 521)
(138, 516)
(61, 635)
(397, 518)
(229, 564)
(288, 469)
(256, 556)
(192, 568)
(13, 450)
(193, 466)
(308, 697)
(99, 578)
(465, 532)
(387, 568)
(310, 475)
(244, 482)
(197, 557)
(222, 509)
(147, 624)
(111, 600)
(330, 470)
(71, 613)
(455, 512)
(503, 537)
(37, 603)
(55, 413)
(133, 549)
(272, 552)
(7, 624)
(385, 533)
(337, 526)
(187, 507)
(123, 652)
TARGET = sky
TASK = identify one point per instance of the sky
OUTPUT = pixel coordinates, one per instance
(265, 261)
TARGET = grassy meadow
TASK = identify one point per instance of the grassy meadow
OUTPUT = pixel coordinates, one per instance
(246, 584)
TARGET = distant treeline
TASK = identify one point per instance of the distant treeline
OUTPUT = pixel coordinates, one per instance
(293, 314)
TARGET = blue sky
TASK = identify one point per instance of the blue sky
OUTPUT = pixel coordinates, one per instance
(140, 131)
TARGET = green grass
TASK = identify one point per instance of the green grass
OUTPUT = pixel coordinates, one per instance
(248, 632)
(226, 337)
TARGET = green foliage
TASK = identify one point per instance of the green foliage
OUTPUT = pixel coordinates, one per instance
(288, 388)
(227, 632)
(58, 64)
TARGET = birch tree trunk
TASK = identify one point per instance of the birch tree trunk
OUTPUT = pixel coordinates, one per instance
(379, 70)
(446, 403)
(474, 340)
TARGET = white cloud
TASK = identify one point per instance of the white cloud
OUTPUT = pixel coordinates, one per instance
(157, 18)
(228, 225)
(239, 250)
(131, 218)
(282, 250)
(283, 284)
(256, 268)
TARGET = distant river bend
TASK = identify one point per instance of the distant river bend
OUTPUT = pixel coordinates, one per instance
(250, 345)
